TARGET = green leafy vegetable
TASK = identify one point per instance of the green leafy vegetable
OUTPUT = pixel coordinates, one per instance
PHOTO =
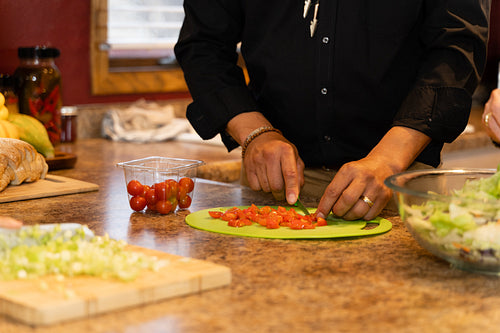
(33, 252)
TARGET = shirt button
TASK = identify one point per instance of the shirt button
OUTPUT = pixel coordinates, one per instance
(324, 91)
(325, 40)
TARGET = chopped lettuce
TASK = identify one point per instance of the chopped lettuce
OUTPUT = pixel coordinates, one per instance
(34, 251)
(466, 227)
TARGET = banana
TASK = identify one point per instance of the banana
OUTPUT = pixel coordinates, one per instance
(32, 131)
(4, 112)
(8, 130)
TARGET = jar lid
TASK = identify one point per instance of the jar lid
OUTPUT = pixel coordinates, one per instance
(37, 52)
(69, 111)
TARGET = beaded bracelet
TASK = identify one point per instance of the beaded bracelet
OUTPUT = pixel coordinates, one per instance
(254, 134)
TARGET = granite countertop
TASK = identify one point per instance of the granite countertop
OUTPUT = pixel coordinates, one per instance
(384, 283)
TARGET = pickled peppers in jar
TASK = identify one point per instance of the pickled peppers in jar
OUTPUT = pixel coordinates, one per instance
(38, 87)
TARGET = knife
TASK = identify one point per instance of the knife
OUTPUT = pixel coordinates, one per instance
(301, 206)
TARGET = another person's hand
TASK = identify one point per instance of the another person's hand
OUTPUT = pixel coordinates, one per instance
(491, 116)
(10, 223)
(357, 190)
(272, 164)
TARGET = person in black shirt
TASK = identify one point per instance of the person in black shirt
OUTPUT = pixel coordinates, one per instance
(367, 88)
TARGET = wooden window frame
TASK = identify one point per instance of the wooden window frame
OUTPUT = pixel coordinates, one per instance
(104, 82)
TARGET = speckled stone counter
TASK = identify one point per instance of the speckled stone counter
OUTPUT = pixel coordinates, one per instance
(385, 283)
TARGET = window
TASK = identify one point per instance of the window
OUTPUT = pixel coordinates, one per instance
(132, 46)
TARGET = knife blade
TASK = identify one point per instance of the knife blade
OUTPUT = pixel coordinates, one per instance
(301, 206)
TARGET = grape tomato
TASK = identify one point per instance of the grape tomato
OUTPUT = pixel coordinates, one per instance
(162, 197)
(268, 217)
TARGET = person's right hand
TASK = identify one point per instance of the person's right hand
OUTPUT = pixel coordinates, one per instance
(491, 116)
(272, 164)
(10, 223)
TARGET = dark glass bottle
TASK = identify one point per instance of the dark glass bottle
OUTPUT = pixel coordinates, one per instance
(7, 90)
(69, 123)
(38, 87)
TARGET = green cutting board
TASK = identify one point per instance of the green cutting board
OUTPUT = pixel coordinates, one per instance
(336, 228)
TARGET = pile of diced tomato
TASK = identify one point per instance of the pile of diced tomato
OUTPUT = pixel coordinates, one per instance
(268, 217)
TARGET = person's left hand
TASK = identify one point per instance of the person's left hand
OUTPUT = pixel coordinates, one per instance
(10, 223)
(357, 190)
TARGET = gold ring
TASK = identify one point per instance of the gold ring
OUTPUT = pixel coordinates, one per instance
(367, 200)
(487, 119)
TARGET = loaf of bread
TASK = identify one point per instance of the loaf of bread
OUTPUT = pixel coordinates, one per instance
(20, 162)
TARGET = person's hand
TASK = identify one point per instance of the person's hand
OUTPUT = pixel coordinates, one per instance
(357, 191)
(10, 223)
(272, 164)
(491, 116)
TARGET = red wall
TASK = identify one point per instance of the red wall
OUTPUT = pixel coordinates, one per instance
(64, 24)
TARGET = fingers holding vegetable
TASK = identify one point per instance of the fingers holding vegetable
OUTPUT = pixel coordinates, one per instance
(273, 164)
(357, 191)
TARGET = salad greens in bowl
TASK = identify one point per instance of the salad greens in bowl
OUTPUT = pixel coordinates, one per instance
(454, 214)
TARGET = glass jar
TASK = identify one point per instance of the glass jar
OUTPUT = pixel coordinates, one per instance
(7, 90)
(37, 83)
(69, 123)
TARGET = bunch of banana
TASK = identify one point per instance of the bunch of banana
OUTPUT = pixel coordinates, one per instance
(7, 129)
(26, 128)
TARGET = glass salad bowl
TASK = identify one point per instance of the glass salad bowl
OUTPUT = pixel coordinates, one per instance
(454, 214)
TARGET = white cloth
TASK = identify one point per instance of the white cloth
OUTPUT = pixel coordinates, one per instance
(148, 122)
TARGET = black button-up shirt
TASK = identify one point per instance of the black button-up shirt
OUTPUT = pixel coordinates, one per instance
(370, 65)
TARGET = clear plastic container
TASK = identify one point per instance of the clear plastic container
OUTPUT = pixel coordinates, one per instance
(153, 170)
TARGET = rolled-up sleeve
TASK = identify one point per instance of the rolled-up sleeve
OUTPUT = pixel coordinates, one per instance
(454, 35)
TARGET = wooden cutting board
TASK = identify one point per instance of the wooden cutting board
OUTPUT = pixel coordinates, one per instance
(81, 297)
(51, 186)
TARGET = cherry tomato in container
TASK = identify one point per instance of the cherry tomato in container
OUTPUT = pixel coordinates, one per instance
(164, 207)
(161, 191)
(187, 183)
(174, 203)
(185, 202)
(182, 193)
(137, 203)
(145, 188)
(173, 188)
(134, 187)
(151, 196)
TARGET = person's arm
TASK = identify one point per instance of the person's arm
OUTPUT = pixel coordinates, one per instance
(394, 153)
(436, 108)
(272, 163)
(206, 52)
(222, 103)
